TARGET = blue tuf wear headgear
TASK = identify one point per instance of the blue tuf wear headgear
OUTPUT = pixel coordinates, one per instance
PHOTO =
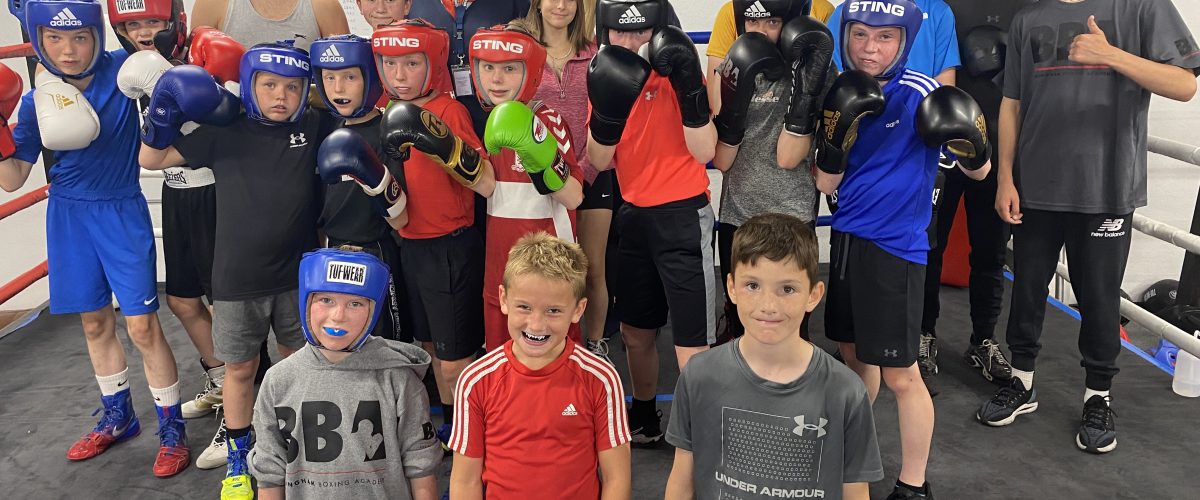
(341, 271)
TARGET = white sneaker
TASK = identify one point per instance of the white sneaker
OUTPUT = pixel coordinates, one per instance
(207, 401)
(216, 454)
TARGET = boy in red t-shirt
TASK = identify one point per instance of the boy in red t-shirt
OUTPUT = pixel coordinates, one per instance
(540, 415)
(665, 255)
(538, 181)
(442, 254)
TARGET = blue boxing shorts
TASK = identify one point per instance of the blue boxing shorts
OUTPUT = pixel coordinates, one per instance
(99, 244)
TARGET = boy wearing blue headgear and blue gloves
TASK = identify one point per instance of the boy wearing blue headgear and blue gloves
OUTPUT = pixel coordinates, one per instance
(98, 234)
(268, 200)
(347, 416)
(884, 127)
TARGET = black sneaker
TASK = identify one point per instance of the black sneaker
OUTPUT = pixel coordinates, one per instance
(990, 360)
(1098, 430)
(1008, 402)
(645, 433)
(927, 361)
(905, 493)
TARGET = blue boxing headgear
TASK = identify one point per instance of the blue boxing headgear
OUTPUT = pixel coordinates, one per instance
(347, 51)
(341, 271)
(63, 15)
(280, 58)
(902, 14)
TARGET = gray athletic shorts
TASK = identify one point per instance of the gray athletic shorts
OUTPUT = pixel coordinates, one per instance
(241, 326)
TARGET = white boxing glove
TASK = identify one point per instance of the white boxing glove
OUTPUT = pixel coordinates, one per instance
(141, 71)
(66, 121)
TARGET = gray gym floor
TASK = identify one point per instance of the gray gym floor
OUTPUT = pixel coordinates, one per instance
(47, 395)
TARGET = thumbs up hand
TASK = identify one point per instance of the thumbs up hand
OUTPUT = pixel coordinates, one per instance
(1092, 47)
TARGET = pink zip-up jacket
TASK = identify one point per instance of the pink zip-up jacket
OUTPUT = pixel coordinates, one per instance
(569, 96)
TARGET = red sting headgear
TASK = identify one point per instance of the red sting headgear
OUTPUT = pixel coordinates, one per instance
(502, 43)
(414, 36)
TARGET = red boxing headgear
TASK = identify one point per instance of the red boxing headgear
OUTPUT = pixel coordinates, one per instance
(170, 41)
(502, 43)
(414, 36)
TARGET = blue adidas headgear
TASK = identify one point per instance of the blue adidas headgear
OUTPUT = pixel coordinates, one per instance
(347, 51)
(62, 15)
(877, 14)
(341, 271)
(281, 58)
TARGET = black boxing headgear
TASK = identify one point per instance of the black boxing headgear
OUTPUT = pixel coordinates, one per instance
(762, 9)
(629, 15)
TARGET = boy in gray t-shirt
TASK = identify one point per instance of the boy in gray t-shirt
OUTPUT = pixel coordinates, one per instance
(774, 415)
(1078, 77)
(770, 79)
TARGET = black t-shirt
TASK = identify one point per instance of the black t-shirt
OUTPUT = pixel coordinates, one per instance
(268, 198)
(349, 214)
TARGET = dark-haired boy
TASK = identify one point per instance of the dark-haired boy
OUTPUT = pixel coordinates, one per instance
(808, 416)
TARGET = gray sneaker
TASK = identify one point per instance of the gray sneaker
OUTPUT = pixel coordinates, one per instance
(216, 454)
(990, 360)
(599, 348)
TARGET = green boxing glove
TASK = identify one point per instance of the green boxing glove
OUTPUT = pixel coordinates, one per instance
(513, 125)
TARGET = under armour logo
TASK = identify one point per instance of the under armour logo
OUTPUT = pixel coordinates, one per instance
(819, 427)
(297, 140)
(891, 353)
(993, 19)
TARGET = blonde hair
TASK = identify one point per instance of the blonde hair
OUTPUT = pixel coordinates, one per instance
(543, 255)
(580, 33)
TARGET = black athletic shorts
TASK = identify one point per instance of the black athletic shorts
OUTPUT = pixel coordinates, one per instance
(598, 194)
(875, 301)
(444, 279)
(666, 262)
(189, 224)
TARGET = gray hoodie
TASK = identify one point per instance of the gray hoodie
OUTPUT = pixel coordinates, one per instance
(358, 429)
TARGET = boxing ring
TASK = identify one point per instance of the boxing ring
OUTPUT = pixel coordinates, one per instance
(47, 399)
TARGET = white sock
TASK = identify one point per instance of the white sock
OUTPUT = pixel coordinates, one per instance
(112, 384)
(166, 397)
(1025, 377)
(1088, 393)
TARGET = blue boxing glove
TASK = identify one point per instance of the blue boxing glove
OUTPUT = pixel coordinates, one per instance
(345, 153)
(183, 93)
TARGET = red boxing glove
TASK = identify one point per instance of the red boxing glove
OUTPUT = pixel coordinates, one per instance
(217, 53)
(10, 94)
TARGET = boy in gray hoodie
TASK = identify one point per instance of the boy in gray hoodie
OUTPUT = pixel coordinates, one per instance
(347, 416)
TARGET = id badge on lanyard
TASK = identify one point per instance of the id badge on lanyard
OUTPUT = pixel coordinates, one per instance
(461, 70)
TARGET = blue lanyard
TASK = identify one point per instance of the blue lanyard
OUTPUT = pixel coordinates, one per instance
(460, 45)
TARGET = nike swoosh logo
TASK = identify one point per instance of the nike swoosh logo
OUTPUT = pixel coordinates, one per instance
(605, 195)
(121, 384)
(151, 301)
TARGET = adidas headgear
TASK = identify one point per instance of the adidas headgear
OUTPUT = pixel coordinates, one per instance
(629, 15)
(280, 58)
(340, 271)
(502, 43)
(744, 10)
(347, 51)
(64, 15)
(414, 36)
(902, 14)
(170, 41)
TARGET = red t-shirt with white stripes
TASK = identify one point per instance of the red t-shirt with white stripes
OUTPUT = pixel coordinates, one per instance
(539, 431)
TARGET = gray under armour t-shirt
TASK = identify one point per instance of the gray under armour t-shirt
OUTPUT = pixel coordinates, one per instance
(751, 438)
(755, 184)
(1082, 139)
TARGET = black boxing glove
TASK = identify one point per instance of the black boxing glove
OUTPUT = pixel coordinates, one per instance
(615, 80)
(949, 116)
(673, 55)
(854, 95)
(808, 46)
(750, 55)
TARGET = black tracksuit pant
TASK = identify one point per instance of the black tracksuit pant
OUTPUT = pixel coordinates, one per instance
(988, 236)
(1097, 249)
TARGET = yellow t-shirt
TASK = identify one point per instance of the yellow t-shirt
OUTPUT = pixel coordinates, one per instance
(725, 31)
